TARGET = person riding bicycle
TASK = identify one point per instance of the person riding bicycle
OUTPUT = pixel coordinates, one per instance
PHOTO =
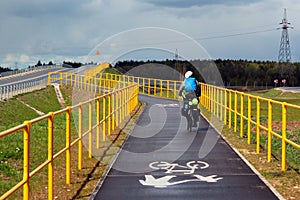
(190, 91)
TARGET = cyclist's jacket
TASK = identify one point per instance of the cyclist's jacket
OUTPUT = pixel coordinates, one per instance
(190, 84)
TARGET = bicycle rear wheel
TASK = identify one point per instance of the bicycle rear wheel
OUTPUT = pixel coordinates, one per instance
(189, 118)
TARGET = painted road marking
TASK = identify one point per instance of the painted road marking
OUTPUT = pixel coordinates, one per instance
(171, 168)
(167, 105)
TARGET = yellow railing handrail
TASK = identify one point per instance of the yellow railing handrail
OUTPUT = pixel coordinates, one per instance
(120, 96)
(123, 94)
(150, 86)
(210, 100)
(213, 98)
(96, 70)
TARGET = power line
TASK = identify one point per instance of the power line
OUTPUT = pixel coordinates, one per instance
(62, 48)
(236, 34)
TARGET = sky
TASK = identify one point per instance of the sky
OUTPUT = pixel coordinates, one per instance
(73, 30)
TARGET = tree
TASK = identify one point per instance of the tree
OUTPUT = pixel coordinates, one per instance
(39, 63)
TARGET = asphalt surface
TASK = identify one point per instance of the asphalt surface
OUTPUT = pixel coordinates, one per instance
(291, 89)
(28, 76)
(39, 74)
(161, 160)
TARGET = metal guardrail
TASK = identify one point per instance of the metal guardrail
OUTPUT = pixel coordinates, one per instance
(21, 71)
(93, 72)
(150, 86)
(117, 101)
(238, 110)
(9, 91)
(249, 114)
(224, 104)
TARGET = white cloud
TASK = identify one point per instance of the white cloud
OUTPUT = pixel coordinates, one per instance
(10, 58)
(73, 28)
(24, 58)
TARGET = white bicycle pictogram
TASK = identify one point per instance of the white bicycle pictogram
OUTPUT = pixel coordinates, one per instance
(189, 168)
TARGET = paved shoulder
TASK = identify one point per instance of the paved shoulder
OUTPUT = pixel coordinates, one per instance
(161, 160)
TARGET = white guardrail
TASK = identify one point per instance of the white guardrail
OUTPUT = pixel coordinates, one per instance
(21, 71)
(8, 91)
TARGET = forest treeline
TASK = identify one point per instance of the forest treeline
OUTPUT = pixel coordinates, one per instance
(233, 72)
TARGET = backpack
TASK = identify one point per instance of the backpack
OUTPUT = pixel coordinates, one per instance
(190, 84)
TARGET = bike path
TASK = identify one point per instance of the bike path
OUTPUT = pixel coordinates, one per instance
(160, 159)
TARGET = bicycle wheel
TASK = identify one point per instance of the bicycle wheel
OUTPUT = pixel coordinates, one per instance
(189, 118)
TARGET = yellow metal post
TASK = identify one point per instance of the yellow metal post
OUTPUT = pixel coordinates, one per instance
(210, 94)
(68, 145)
(214, 100)
(113, 104)
(154, 92)
(269, 130)
(257, 125)
(218, 102)
(168, 88)
(104, 118)
(249, 120)
(60, 78)
(109, 115)
(175, 90)
(80, 137)
(117, 108)
(50, 155)
(26, 162)
(283, 141)
(49, 78)
(98, 122)
(230, 109)
(161, 88)
(221, 104)
(225, 107)
(235, 110)
(66, 77)
(242, 115)
(90, 130)
(143, 85)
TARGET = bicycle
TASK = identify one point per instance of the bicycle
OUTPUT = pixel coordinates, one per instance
(191, 111)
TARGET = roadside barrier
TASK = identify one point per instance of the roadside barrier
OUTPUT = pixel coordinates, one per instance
(93, 72)
(115, 102)
(252, 116)
(150, 86)
(10, 90)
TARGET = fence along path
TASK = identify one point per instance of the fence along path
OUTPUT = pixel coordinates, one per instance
(115, 102)
(251, 116)
(120, 92)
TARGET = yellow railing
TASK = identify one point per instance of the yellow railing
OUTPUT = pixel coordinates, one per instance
(249, 114)
(118, 96)
(237, 109)
(93, 72)
(150, 86)
(114, 103)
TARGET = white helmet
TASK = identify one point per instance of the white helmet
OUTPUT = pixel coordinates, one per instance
(188, 74)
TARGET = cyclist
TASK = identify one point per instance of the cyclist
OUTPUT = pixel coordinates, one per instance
(190, 91)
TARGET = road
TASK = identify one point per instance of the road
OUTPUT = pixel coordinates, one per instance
(291, 89)
(39, 74)
(161, 160)
(29, 76)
